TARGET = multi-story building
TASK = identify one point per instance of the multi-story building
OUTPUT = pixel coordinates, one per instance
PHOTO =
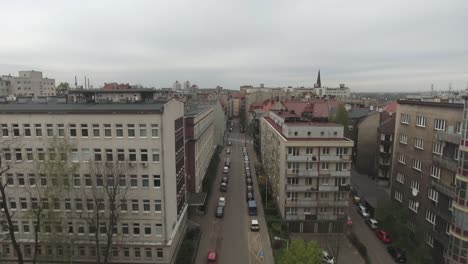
(30, 83)
(4, 87)
(336, 92)
(308, 163)
(152, 210)
(427, 136)
(385, 138)
(457, 250)
(200, 144)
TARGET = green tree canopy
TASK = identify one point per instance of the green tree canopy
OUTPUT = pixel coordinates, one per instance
(63, 87)
(302, 253)
(341, 116)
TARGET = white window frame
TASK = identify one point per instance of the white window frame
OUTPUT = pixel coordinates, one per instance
(405, 118)
(418, 143)
(431, 217)
(440, 124)
(403, 139)
(401, 158)
(429, 239)
(412, 206)
(400, 177)
(421, 121)
(417, 165)
(433, 195)
(437, 148)
(435, 172)
(414, 185)
(398, 196)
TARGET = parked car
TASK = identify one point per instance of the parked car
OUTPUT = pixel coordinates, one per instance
(246, 158)
(225, 169)
(229, 143)
(250, 188)
(247, 167)
(223, 187)
(254, 225)
(219, 211)
(211, 259)
(228, 151)
(222, 201)
(249, 196)
(248, 181)
(363, 211)
(247, 174)
(372, 223)
(397, 254)
(383, 236)
(356, 199)
(327, 258)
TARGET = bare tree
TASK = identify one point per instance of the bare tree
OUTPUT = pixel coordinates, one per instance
(108, 196)
(333, 243)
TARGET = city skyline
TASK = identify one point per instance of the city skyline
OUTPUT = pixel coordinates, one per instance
(371, 47)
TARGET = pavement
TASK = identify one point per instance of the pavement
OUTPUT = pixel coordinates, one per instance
(371, 192)
(230, 236)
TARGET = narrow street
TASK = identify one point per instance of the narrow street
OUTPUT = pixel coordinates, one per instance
(230, 236)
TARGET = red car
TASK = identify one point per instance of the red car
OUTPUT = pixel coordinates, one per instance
(211, 257)
(383, 236)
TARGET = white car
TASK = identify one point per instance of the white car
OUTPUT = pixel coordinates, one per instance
(246, 158)
(327, 258)
(228, 151)
(226, 169)
(222, 201)
(254, 225)
(372, 223)
(363, 211)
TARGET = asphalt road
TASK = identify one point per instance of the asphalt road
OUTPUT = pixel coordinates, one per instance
(228, 236)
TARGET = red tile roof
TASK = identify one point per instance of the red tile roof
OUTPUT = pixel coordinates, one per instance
(391, 107)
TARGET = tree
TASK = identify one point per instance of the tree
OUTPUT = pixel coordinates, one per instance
(333, 244)
(301, 253)
(341, 116)
(105, 201)
(63, 88)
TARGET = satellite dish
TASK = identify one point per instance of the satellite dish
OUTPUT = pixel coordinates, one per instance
(414, 192)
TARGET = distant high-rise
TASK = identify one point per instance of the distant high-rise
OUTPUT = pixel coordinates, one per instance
(177, 86)
(30, 83)
(187, 85)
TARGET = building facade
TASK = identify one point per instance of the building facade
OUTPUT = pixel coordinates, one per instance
(200, 144)
(457, 250)
(30, 83)
(308, 166)
(4, 87)
(424, 167)
(147, 138)
(366, 141)
(385, 138)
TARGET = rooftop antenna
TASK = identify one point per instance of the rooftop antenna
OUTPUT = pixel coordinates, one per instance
(432, 89)
(450, 89)
(76, 83)
(84, 86)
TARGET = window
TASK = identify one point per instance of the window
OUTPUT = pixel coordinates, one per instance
(43, 180)
(420, 121)
(398, 196)
(72, 130)
(131, 130)
(401, 158)
(88, 182)
(12, 202)
(414, 185)
(308, 195)
(122, 181)
(97, 154)
(324, 165)
(148, 253)
(110, 181)
(133, 181)
(135, 206)
(21, 181)
(78, 204)
(84, 130)
(23, 204)
(52, 154)
(85, 154)
(456, 154)
(132, 154)
(144, 154)
(126, 252)
(99, 180)
(40, 154)
(405, 118)
(439, 124)
(50, 130)
(76, 180)
(16, 131)
(136, 229)
(10, 179)
(155, 155)
(433, 195)
(4, 130)
(67, 204)
(293, 180)
(142, 130)
(27, 130)
(137, 252)
(159, 253)
(120, 155)
(119, 130)
(125, 229)
(158, 230)
(435, 172)
(29, 155)
(458, 127)
(154, 130)
(96, 130)
(437, 148)
(74, 155)
(90, 205)
(157, 206)
(413, 205)
(156, 181)
(107, 131)
(123, 205)
(400, 177)
(109, 155)
(145, 181)
(18, 155)
(417, 164)
(419, 143)
(100, 205)
(429, 239)
(7, 154)
(430, 217)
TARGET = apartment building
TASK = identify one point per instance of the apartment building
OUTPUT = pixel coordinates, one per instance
(457, 250)
(148, 137)
(4, 87)
(308, 163)
(385, 138)
(427, 137)
(30, 83)
(200, 144)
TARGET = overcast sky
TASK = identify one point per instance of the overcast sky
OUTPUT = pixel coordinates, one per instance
(395, 45)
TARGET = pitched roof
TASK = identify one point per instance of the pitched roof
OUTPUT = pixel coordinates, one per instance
(391, 107)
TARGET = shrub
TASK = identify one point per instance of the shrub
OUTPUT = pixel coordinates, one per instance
(361, 248)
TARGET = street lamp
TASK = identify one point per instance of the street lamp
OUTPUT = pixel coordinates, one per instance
(287, 241)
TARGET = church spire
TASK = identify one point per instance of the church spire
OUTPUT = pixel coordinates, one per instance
(319, 82)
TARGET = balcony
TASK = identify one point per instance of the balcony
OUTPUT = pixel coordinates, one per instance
(344, 188)
(301, 203)
(332, 203)
(442, 188)
(300, 188)
(453, 138)
(328, 188)
(335, 158)
(384, 162)
(327, 217)
(302, 158)
(308, 173)
(294, 217)
(445, 162)
(340, 173)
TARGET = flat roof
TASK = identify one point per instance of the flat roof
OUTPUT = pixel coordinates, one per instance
(426, 103)
(135, 90)
(90, 108)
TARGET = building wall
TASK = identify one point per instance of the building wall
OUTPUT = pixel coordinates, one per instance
(31, 83)
(219, 123)
(236, 102)
(172, 224)
(405, 177)
(310, 187)
(366, 144)
(4, 87)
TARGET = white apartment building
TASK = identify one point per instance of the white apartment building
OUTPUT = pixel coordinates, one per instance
(338, 92)
(309, 167)
(148, 137)
(30, 83)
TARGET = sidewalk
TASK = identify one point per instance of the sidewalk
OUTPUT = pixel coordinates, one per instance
(265, 238)
(369, 189)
